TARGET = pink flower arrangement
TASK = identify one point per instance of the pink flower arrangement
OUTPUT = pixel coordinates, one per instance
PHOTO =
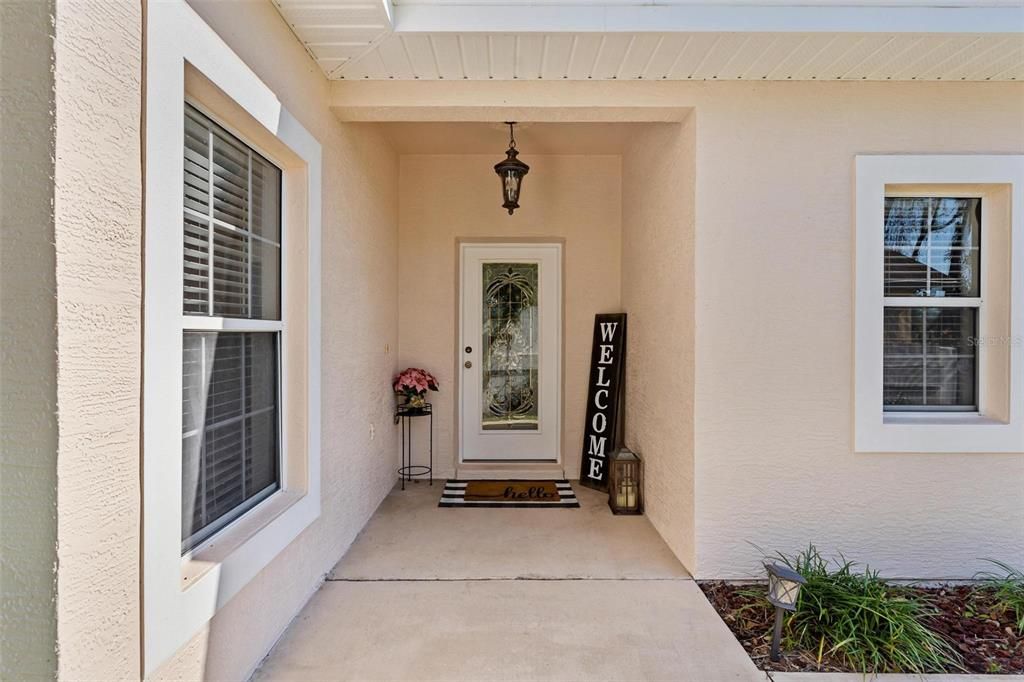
(414, 382)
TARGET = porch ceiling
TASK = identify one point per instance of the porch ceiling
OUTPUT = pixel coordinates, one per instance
(677, 40)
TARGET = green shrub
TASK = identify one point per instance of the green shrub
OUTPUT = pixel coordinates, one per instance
(1008, 588)
(862, 620)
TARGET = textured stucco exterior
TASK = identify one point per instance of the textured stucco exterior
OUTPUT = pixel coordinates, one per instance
(774, 391)
(727, 237)
(657, 293)
(98, 221)
(359, 316)
(773, 311)
(572, 198)
(28, 335)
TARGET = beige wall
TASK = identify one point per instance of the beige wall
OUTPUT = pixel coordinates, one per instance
(772, 319)
(775, 460)
(443, 198)
(359, 320)
(657, 294)
(97, 377)
(98, 221)
(28, 335)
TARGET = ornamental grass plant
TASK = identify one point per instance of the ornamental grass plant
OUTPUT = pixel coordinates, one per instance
(858, 618)
(1006, 585)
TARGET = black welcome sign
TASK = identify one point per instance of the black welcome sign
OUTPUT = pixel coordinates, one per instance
(602, 431)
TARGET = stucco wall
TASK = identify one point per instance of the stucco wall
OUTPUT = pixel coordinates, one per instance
(359, 322)
(443, 198)
(28, 322)
(98, 229)
(775, 460)
(658, 295)
(773, 319)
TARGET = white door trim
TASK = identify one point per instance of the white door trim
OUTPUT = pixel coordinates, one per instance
(553, 366)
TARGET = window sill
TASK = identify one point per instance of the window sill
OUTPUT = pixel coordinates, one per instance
(214, 551)
(937, 433)
(941, 419)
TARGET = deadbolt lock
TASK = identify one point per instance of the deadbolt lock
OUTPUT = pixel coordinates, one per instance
(467, 364)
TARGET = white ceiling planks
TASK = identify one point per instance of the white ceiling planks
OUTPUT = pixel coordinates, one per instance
(558, 55)
(476, 56)
(448, 55)
(336, 32)
(695, 56)
(1009, 65)
(396, 60)
(502, 51)
(355, 39)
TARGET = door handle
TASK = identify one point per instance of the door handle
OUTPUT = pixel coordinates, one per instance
(467, 364)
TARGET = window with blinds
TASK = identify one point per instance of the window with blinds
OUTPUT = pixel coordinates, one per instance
(231, 375)
(932, 300)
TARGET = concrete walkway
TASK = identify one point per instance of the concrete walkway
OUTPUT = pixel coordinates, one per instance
(512, 594)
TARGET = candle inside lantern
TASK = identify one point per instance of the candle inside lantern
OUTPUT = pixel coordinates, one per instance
(622, 496)
(628, 487)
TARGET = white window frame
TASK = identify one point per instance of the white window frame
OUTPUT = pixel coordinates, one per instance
(877, 430)
(975, 303)
(182, 593)
(193, 322)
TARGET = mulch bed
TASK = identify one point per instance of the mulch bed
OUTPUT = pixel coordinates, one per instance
(986, 638)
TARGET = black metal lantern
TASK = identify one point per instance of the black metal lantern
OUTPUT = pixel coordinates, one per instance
(511, 171)
(625, 483)
(783, 590)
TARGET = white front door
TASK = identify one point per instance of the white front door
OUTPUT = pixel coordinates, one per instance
(510, 352)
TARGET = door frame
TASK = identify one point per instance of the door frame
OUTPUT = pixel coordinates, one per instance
(460, 245)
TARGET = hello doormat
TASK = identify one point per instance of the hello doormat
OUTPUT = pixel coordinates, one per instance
(508, 493)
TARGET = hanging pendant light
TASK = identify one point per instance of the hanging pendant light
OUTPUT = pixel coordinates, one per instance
(511, 171)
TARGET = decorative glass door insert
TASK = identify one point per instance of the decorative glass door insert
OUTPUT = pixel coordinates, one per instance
(510, 352)
(509, 347)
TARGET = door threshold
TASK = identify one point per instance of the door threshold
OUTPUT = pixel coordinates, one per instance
(521, 469)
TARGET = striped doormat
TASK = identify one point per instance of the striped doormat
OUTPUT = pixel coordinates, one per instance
(508, 493)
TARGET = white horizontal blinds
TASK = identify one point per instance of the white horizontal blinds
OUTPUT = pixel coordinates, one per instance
(261, 410)
(197, 209)
(230, 379)
(932, 247)
(932, 250)
(229, 427)
(266, 200)
(232, 206)
(930, 357)
(230, 178)
(265, 196)
(266, 274)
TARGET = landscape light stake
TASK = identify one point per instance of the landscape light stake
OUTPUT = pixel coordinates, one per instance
(783, 590)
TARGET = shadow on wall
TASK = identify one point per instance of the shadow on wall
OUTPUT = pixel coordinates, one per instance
(28, 322)
(658, 294)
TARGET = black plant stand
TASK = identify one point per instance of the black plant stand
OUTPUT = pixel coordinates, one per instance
(409, 471)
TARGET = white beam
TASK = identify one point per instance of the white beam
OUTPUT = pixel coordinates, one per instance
(389, 12)
(623, 18)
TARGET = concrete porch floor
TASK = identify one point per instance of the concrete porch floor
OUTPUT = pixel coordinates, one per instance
(426, 593)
